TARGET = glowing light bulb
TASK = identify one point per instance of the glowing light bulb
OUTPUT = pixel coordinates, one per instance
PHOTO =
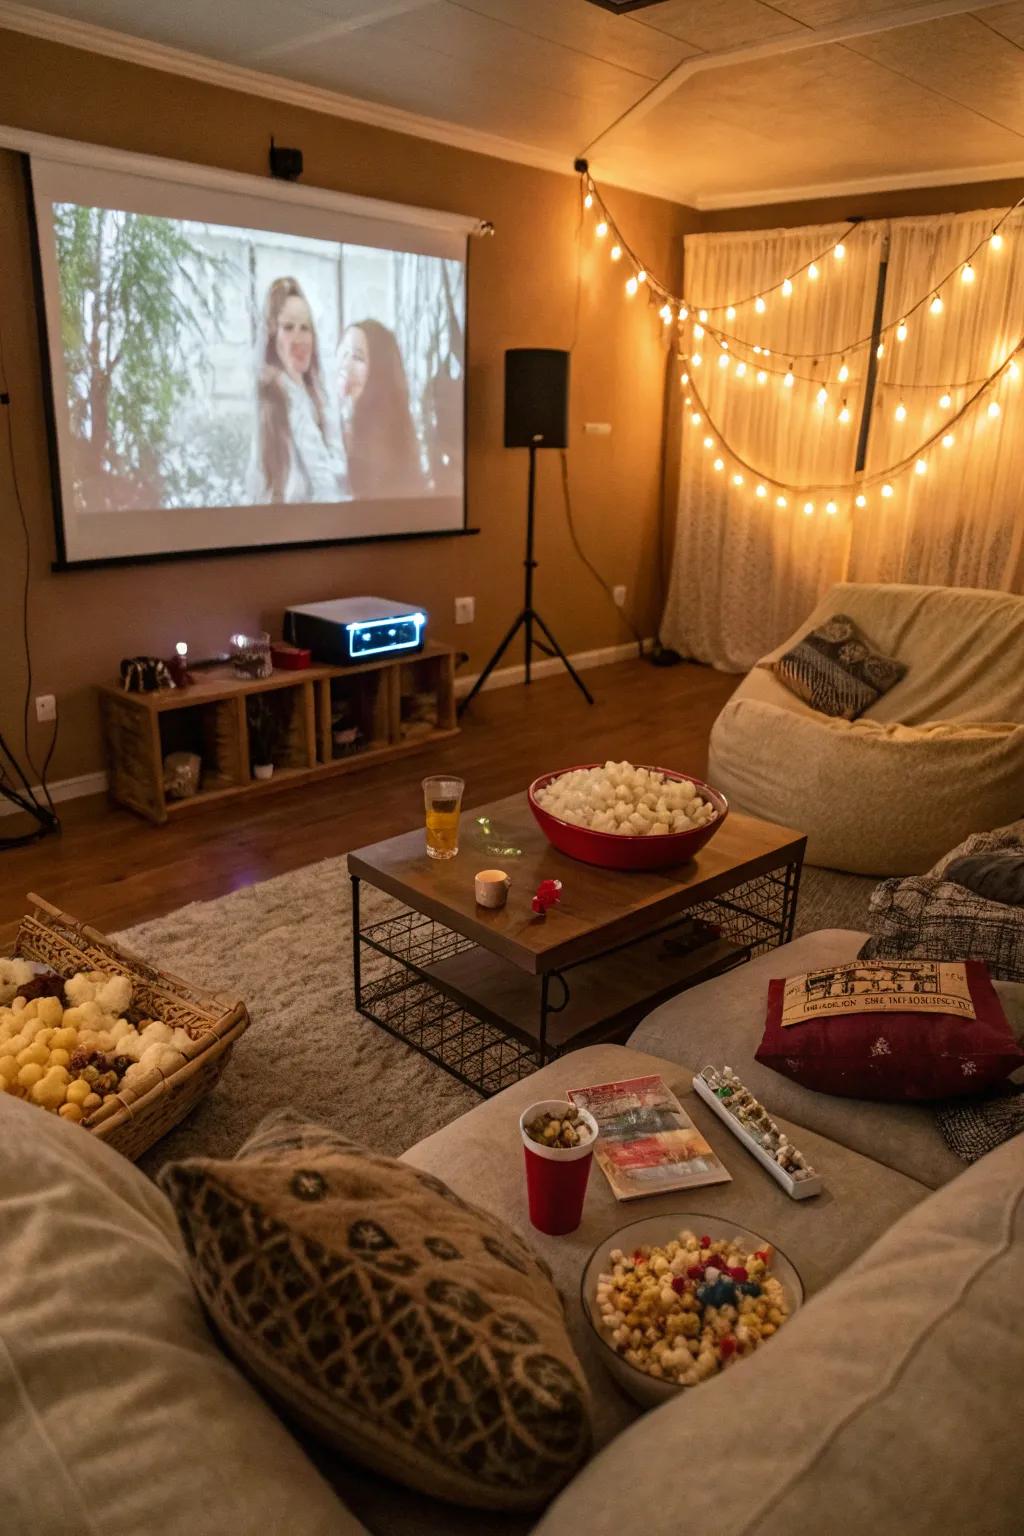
(760, 305)
(780, 501)
(887, 490)
(762, 377)
(831, 508)
(709, 442)
(696, 418)
(687, 402)
(696, 360)
(684, 378)
(808, 509)
(844, 414)
(703, 317)
(666, 313)
(182, 649)
(698, 332)
(1014, 370)
(812, 272)
(789, 380)
(967, 273)
(762, 491)
(600, 230)
(737, 479)
(860, 500)
(723, 344)
(880, 349)
(936, 306)
(822, 398)
(588, 201)
(684, 313)
(767, 351)
(730, 313)
(723, 361)
(945, 401)
(641, 276)
(719, 464)
(994, 409)
(787, 288)
(921, 467)
(996, 240)
(839, 251)
(948, 440)
(758, 351)
(901, 331)
(844, 373)
(900, 412)
(631, 286)
(616, 253)
(741, 369)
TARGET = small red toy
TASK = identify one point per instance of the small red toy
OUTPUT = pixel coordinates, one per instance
(548, 894)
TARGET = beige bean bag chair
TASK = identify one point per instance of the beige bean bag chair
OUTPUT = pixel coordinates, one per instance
(941, 755)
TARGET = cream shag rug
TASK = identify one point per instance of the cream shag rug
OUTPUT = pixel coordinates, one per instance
(285, 946)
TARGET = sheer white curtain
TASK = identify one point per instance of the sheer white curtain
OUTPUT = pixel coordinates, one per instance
(961, 523)
(746, 572)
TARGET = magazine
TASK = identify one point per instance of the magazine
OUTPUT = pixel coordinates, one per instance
(647, 1145)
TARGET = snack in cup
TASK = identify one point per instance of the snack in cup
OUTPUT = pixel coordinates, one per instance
(558, 1148)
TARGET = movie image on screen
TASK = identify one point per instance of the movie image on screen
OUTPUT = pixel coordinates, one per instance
(218, 384)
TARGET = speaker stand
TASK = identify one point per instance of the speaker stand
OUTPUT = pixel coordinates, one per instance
(528, 619)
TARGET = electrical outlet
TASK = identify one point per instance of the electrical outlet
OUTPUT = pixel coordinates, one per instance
(46, 707)
(619, 595)
(465, 610)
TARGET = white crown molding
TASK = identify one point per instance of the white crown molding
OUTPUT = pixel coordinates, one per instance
(253, 82)
(949, 176)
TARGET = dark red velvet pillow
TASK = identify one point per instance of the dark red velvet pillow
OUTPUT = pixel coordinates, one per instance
(890, 1029)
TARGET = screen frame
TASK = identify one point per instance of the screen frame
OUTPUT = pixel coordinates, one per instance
(61, 563)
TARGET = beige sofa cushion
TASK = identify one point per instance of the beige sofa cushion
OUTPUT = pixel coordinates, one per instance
(889, 1403)
(118, 1412)
(873, 798)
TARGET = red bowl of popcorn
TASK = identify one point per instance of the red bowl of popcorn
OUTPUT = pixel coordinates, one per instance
(626, 816)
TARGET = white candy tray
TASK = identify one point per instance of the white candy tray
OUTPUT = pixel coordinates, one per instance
(797, 1189)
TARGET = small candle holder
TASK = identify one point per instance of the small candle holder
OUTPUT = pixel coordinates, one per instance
(250, 656)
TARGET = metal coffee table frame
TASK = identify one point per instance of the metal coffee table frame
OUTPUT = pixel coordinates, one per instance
(394, 990)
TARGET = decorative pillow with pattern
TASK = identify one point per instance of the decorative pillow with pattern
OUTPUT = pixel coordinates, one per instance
(408, 1329)
(835, 669)
(893, 1030)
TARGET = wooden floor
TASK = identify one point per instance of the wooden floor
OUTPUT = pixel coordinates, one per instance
(112, 869)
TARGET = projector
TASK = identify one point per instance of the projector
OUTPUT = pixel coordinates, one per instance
(352, 629)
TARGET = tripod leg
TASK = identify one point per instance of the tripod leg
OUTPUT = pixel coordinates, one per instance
(485, 674)
(567, 664)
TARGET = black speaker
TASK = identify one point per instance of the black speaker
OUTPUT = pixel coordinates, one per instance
(536, 398)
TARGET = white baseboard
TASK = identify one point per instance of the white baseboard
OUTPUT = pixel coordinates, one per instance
(63, 789)
(507, 677)
(504, 677)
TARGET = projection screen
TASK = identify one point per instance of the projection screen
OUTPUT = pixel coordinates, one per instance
(230, 371)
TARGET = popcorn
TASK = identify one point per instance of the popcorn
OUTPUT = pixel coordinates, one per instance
(632, 802)
(684, 1311)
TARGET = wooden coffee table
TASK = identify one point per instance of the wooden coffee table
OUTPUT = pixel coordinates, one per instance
(491, 996)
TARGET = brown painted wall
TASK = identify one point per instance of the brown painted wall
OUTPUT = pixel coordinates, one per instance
(522, 292)
(869, 205)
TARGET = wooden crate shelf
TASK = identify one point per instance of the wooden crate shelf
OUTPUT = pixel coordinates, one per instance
(383, 699)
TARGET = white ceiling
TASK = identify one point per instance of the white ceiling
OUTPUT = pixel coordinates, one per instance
(538, 80)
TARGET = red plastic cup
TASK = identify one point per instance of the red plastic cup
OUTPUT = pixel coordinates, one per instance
(556, 1177)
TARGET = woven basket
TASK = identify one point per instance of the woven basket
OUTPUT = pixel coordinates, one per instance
(132, 1120)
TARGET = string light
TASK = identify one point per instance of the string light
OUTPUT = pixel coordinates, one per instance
(741, 369)
(901, 331)
(844, 414)
(996, 240)
(631, 286)
(790, 378)
(641, 276)
(844, 372)
(684, 378)
(696, 418)
(948, 440)
(616, 253)
(967, 273)
(588, 201)
(709, 442)
(760, 305)
(600, 230)
(762, 377)
(812, 272)
(683, 312)
(887, 491)
(921, 467)
(808, 508)
(839, 251)
(762, 491)
(730, 313)
(723, 344)
(831, 508)
(781, 502)
(945, 401)
(936, 306)
(900, 412)
(698, 332)
(860, 500)
(719, 464)
(703, 317)
(994, 409)
(666, 313)
(822, 398)
(880, 349)
(737, 479)
(696, 360)
(1014, 369)
(787, 288)
(723, 361)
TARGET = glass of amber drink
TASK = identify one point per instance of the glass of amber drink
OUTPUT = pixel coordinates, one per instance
(442, 800)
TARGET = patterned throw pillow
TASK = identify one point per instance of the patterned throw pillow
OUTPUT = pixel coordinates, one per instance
(406, 1328)
(890, 1029)
(835, 670)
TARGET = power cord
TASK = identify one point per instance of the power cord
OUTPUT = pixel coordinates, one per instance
(591, 567)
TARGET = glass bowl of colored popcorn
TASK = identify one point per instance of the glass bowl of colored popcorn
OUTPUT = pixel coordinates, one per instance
(675, 1299)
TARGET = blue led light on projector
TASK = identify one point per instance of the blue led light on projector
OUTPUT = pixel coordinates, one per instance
(377, 637)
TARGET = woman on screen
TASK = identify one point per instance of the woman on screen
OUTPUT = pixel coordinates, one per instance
(381, 447)
(296, 458)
